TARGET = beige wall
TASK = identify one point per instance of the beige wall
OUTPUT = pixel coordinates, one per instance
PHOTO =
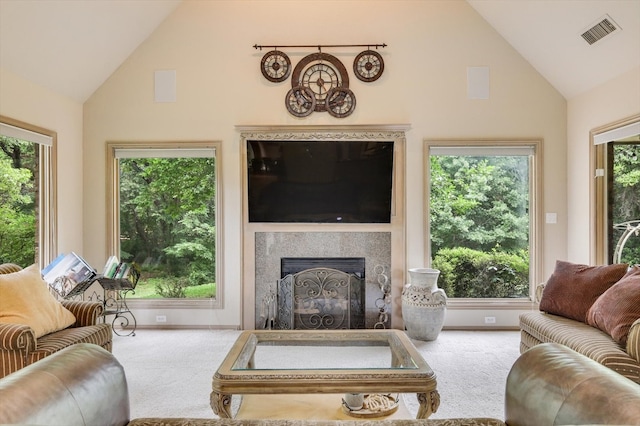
(24, 101)
(219, 86)
(609, 103)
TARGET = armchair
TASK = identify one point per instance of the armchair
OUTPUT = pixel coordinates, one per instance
(20, 347)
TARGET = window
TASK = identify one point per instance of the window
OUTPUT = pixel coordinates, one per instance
(617, 192)
(482, 217)
(27, 231)
(164, 217)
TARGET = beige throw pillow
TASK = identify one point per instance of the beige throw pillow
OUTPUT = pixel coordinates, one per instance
(618, 308)
(573, 288)
(25, 299)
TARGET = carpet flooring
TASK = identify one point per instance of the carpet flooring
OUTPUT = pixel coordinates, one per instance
(169, 371)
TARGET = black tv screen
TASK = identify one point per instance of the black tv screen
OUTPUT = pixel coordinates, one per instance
(319, 181)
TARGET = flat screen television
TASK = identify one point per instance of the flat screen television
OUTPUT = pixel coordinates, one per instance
(319, 181)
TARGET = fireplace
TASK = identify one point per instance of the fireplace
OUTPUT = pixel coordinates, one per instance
(363, 256)
(320, 293)
(334, 233)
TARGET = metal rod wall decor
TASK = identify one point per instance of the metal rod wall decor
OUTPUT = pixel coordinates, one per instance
(320, 81)
(319, 46)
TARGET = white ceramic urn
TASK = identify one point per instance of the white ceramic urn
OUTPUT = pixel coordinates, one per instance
(424, 305)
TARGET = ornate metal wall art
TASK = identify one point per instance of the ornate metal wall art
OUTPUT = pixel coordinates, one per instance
(320, 81)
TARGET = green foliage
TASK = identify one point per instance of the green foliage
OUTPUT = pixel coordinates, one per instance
(147, 288)
(196, 247)
(625, 196)
(479, 202)
(17, 202)
(474, 274)
(172, 288)
(167, 219)
(480, 225)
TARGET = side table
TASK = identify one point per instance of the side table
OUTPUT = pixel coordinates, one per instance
(115, 303)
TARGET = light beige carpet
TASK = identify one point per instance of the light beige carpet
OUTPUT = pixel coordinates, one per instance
(169, 371)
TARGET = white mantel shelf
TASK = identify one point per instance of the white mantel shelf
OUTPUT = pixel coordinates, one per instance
(323, 128)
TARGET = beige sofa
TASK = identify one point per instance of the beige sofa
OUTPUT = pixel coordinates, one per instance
(594, 310)
(541, 327)
(20, 346)
(549, 384)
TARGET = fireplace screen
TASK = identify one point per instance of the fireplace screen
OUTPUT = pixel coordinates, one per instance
(320, 299)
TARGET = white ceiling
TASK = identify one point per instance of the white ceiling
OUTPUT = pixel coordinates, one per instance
(73, 46)
(547, 33)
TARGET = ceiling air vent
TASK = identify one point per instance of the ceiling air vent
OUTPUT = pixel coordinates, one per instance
(604, 27)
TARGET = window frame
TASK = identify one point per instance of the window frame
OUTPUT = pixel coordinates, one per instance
(47, 208)
(599, 252)
(536, 214)
(113, 217)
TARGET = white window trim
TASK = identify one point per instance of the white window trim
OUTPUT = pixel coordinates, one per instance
(116, 150)
(617, 133)
(530, 147)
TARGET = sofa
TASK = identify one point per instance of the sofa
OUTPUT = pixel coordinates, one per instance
(549, 384)
(592, 310)
(34, 324)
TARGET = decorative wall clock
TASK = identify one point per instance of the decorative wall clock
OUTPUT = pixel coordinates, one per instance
(368, 66)
(320, 82)
(340, 102)
(275, 66)
(300, 101)
(320, 72)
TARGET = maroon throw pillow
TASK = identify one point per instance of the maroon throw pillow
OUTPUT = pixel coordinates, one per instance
(573, 288)
(618, 308)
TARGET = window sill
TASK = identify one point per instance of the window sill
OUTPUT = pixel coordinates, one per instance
(174, 303)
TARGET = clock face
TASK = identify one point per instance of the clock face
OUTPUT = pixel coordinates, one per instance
(300, 101)
(275, 66)
(340, 102)
(320, 72)
(368, 66)
(320, 78)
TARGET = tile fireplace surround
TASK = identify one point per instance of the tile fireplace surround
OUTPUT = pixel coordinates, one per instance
(383, 244)
(374, 247)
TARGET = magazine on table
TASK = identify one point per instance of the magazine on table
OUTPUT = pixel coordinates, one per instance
(67, 272)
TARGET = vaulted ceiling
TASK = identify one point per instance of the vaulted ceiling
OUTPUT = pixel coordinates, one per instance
(73, 46)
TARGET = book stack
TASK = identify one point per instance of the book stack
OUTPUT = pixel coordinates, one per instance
(116, 270)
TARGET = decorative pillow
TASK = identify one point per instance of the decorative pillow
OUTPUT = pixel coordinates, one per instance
(25, 299)
(573, 288)
(618, 308)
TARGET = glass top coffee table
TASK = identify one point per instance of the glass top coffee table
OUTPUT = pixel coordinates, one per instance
(323, 361)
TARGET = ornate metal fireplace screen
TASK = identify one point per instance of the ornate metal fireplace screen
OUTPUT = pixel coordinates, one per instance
(320, 298)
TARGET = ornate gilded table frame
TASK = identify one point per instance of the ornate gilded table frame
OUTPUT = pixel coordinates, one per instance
(408, 372)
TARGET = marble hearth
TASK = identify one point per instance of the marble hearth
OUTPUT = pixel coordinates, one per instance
(373, 247)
